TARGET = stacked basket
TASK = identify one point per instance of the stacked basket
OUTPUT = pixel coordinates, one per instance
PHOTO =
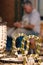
(3, 38)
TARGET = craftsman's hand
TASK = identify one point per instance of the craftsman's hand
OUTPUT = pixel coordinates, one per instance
(17, 24)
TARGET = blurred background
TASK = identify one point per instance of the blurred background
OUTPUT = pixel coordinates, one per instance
(12, 11)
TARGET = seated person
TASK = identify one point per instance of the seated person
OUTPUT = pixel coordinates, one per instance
(30, 23)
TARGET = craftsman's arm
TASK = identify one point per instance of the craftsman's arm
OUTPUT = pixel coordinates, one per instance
(29, 26)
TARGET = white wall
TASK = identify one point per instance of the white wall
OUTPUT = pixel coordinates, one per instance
(35, 3)
(41, 7)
